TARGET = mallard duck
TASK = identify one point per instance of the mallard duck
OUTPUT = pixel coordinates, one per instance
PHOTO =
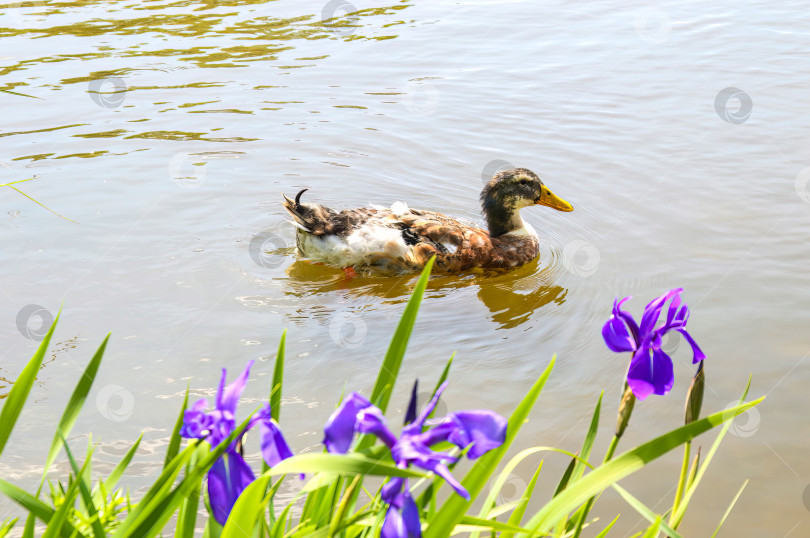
(400, 238)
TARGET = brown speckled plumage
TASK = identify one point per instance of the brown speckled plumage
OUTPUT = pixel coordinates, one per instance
(403, 238)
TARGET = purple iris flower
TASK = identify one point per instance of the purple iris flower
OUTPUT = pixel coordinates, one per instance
(230, 474)
(482, 429)
(650, 368)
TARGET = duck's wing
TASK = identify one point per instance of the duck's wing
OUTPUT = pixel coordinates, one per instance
(457, 246)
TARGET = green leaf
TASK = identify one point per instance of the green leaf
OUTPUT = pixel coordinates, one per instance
(84, 488)
(19, 391)
(345, 464)
(278, 383)
(187, 517)
(74, 406)
(175, 439)
(455, 507)
(607, 529)
(587, 444)
(389, 370)
(7, 525)
(653, 530)
(646, 512)
(677, 516)
(278, 379)
(34, 506)
(730, 507)
(517, 515)
(119, 469)
(625, 465)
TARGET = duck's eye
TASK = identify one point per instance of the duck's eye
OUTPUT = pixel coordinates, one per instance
(524, 181)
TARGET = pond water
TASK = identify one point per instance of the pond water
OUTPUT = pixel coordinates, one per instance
(168, 130)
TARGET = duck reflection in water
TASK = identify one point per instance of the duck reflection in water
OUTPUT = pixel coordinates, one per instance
(511, 297)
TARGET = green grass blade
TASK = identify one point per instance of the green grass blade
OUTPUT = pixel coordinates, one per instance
(122, 465)
(31, 504)
(278, 379)
(587, 444)
(654, 529)
(729, 509)
(57, 523)
(566, 477)
(625, 465)
(156, 491)
(645, 511)
(19, 391)
(278, 383)
(175, 439)
(500, 481)
(7, 525)
(75, 404)
(345, 464)
(517, 514)
(455, 507)
(490, 525)
(187, 517)
(389, 370)
(677, 517)
(84, 487)
(607, 529)
(343, 507)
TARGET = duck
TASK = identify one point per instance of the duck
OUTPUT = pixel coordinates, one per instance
(403, 239)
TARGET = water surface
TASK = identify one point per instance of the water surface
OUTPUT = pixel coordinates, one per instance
(168, 130)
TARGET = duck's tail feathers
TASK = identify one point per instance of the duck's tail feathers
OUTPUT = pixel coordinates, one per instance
(309, 218)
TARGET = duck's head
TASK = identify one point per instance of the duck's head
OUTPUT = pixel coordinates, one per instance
(511, 190)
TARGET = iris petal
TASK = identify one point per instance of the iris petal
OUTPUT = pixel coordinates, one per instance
(227, 479)
(697, 353)
(484, 429)
(371, 420)
(228, 397)
(274, 446)
(410, 516)
(617, 336)
(640, 373)
(663, 374)
(339, 429)
(653, 311)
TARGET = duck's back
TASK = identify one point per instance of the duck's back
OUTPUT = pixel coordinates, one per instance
(402, 239)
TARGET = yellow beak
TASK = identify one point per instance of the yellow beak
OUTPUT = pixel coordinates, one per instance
(549, 199)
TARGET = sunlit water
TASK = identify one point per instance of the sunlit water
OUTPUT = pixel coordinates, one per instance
(168, 131)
